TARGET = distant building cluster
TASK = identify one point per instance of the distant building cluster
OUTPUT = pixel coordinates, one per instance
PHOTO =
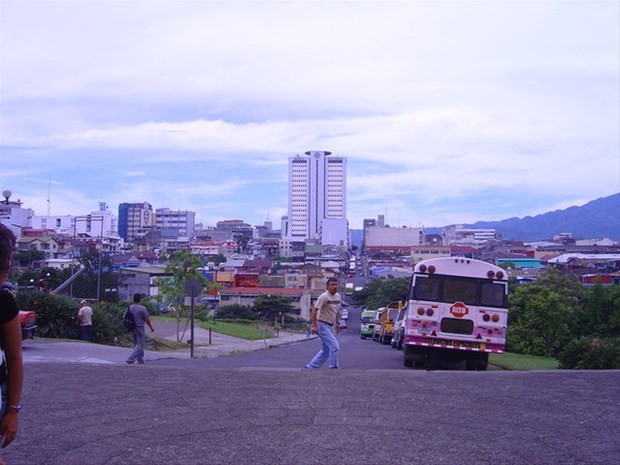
(312, 244)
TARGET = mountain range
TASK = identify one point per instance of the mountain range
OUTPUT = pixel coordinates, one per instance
(596, 219)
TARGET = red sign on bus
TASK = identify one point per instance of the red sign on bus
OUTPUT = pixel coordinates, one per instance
(459, 310)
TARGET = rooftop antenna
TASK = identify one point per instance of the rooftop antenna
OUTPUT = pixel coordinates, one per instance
(49, 194)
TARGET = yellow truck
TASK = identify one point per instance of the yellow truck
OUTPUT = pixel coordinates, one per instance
(384, 329)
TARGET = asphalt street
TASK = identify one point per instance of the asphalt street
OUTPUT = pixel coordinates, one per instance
(98, 410)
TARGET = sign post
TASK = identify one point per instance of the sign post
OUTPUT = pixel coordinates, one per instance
(192, 289)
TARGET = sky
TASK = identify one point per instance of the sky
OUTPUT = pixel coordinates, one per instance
(448, 112)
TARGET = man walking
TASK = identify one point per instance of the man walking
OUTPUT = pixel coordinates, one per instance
(141, 317)
(85, 319)
(326, 320)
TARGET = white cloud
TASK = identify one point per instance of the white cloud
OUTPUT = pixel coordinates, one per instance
(432, 102)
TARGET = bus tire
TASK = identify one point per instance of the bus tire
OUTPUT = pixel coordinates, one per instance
(408, 362)
(478, 362)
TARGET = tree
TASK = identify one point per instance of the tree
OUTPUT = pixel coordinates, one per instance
(544, 315)
(601, 312)
(182, 267)
(381, 292)
(242, 242)
(270, 307)
(27, 257)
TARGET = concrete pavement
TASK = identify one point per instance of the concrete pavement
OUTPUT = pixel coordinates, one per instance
(113, 414)
(90, 408)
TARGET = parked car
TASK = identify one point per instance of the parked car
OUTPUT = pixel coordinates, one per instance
(27, 318)
(28, 321)
(399, 329)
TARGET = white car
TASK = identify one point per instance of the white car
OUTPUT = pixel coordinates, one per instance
(344, 314)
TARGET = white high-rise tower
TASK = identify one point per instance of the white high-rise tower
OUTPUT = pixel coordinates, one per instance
(317, 198)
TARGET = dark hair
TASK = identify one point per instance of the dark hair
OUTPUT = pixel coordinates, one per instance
(137, 297)
(331, 280)
(7, 247)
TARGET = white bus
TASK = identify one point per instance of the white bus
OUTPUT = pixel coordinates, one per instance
(457, 309)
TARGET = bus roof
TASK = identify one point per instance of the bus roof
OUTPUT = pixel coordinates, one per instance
(460, 266)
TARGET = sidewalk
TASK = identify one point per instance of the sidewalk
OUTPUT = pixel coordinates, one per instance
(50, 350)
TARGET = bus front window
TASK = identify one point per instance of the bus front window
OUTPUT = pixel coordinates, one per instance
(426, 288)
(459, 290)
(493, 294)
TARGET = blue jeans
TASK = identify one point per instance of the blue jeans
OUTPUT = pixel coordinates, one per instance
(5, 400)
(329, 347)
(139, 338)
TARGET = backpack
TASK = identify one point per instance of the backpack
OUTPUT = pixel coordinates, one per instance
(128, 320)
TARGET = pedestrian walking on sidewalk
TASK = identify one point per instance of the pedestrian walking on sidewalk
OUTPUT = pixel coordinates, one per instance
(11, 363)
(85, 320)
(141, 318)
(326, 323)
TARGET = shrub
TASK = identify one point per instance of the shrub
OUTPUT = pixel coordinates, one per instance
(235, 311)
(588, 353)
(57, 317)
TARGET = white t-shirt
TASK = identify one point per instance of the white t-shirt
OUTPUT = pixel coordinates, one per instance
(86, 314)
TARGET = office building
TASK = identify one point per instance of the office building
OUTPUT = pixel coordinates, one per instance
(175, 223)
(317, 198)
(135, 220)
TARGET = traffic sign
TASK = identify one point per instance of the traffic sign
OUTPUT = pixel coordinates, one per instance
(192, 288)
(459, 310)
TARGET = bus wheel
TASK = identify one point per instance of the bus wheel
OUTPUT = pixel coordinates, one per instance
(408, 362)
(478, 362)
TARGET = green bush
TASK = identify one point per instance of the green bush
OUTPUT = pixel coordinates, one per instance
(588, 353)
(57, 317)
(236, 311)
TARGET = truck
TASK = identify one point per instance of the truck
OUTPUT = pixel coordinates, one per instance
(384, 329)
(457, 310)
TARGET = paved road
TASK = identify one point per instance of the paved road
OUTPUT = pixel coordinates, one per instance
(96, 414)
(90, 408)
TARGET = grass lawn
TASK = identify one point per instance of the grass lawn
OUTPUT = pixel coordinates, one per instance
(250, 331)
(519, 362)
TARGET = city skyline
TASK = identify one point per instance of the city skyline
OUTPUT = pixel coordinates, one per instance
(447, 112)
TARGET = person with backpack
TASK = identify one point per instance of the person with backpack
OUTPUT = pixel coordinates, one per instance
(140, 317)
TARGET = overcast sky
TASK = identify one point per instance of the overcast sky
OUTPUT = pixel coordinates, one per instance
(448, 112)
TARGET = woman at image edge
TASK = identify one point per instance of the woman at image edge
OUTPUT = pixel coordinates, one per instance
(11, 367)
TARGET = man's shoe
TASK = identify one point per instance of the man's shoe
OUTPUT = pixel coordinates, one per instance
(140, 362)
(129, 361)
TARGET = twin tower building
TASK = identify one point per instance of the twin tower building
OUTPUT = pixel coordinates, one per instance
(317, 199)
